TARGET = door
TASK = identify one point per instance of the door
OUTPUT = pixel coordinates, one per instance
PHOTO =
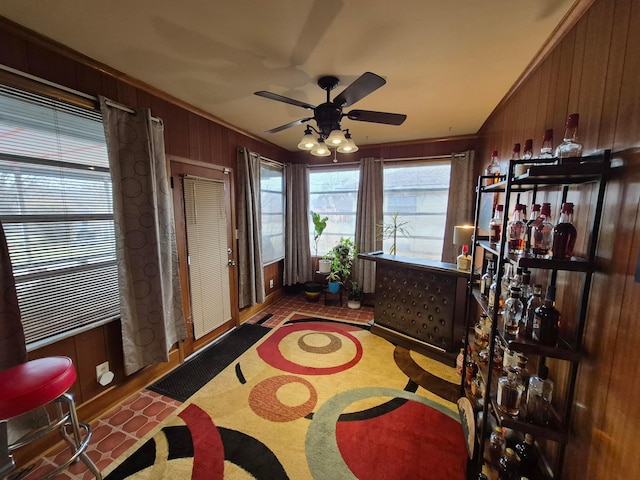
(203, 205)
(207, 253)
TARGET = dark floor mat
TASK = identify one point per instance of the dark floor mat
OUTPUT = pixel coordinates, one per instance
(192, 375)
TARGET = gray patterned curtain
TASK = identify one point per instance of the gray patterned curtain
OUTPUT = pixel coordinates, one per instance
(150, 296)
(369, 215)
(297, 260)
(250, 271)
(12, 345)
(460, 207)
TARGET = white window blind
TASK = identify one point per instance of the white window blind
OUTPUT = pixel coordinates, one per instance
(56, 210)
(272, 208)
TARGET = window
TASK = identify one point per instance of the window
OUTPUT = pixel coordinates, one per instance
(418, 193)
(333, 192)
(56, 210)
(272, 204)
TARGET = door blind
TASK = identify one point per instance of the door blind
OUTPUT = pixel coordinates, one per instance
(207, 249)
(56, 210)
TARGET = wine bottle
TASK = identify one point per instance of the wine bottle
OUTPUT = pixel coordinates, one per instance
(570, 150)
(564, 234)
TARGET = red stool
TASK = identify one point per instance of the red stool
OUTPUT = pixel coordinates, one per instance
(38, 383)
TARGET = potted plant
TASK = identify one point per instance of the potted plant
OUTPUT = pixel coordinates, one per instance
(392, 229)
(312, 290)
(355, 296)
(342, 255)
(319, 225)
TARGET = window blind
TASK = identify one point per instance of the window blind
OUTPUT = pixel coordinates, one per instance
(56, 210)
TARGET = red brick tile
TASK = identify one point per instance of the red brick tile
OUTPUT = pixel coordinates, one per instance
(140, 403)
(122, 417)
(135, 424)
(111, 441)
(152, 410)
(123, 447)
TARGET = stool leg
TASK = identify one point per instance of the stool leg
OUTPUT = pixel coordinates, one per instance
(6, 459)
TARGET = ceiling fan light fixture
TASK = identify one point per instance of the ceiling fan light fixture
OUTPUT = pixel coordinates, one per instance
(336, 138)
(321, 149)
(308, 141)
(349, 145)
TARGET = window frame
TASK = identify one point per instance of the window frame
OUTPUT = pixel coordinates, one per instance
(273, 166)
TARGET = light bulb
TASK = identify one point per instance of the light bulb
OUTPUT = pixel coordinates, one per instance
(321, 149)
(335, 138)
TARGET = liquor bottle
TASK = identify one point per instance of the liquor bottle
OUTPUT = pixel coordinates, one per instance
(486, 279)
(564, 234)
(463, 261)
(497, 445)
(516, 230)
(510, 390)
(525, 288)
(570, 148)
(482, 331)
(493, 294)
(542, 230)
(534, 302)
(539, 396)
(546, 151)
(515, 155)
(504, 286)
(460, 362)
(546, 321)
(527, 453)
(524, 371)
(512, 314)
(527, 154)
(509, 466)
(495, 226)
(493, 168)
(528, 239)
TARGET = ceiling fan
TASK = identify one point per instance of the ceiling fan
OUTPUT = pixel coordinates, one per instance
(329, 114)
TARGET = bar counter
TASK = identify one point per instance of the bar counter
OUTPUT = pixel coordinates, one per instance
(419, 304)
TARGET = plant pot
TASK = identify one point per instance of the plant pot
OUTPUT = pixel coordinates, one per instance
(355, 304)
(333, 287)
(324, 266)
(312, 291)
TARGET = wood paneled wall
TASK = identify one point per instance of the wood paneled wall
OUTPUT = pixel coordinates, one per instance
(595, 71)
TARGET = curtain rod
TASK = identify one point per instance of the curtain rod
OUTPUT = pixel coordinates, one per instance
(432, 157)
(261, 157)
(77, 93)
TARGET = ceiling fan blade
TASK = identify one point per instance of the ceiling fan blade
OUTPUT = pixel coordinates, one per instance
(281, 98)
(376, 117)
(360, 88)
(289, 125)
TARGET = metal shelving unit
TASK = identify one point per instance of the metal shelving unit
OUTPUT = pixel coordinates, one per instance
(549, 172)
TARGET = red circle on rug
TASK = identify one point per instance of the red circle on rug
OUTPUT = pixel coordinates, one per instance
(264, 401)
(270, 353)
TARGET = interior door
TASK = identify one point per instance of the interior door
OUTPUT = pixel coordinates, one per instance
(203, 205)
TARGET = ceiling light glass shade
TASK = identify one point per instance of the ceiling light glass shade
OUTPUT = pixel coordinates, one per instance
(321, 150)
(335, 138)
(308, 141)
(349, 146)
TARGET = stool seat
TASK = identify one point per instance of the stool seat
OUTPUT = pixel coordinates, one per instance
(34, 383)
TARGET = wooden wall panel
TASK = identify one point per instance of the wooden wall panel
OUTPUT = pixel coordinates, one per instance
(595, 71)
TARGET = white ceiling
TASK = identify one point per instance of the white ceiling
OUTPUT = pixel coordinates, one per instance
(447, 62)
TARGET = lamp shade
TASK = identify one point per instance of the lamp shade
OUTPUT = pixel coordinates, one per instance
(348, 147)
(321, 149)
(308, 142)
(335, 138)
(462, 234)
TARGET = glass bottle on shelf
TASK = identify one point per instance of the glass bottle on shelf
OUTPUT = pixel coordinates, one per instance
(533, 216)
(546, 323)
(525, 288)
(570, 148)
(497, 445)
(509, 465)
(515, 155)
(546, 150)
(510, 390)
(495, 226)
(460, 362)
(505, 285)
(527, 154)
(463, 261)
(542, 230)
(527, 453)
(564, 234)
(539, 394)
(493, 294)
(528, 318)
(487, 279)
(516, 230)
(493, 168)
(524, 371)
(512, 313)
(509, 359)
(482, 331)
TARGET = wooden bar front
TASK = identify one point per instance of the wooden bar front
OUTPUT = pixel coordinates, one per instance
(420, 304)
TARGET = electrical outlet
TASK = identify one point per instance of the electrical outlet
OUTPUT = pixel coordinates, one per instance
(101, 369)
(271, 283)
